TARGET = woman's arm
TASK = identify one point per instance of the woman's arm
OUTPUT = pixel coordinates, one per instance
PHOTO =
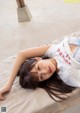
(22, 56)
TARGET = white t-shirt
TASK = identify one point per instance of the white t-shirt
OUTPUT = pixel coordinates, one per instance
(68, 65)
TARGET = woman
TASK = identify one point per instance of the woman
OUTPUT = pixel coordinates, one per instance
(58, 74)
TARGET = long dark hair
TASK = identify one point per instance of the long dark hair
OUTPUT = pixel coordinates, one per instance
(54, 86)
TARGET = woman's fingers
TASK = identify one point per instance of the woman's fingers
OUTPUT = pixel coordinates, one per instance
(3, 91)
(2, 98)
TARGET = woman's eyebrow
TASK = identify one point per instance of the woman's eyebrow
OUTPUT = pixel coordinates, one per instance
(34, 73)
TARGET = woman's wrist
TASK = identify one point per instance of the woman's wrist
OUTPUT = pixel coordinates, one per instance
(9, 84)
(5, 89)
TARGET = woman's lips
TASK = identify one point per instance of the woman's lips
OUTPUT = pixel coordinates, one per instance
(50, 70)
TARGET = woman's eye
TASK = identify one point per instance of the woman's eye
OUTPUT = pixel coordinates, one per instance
(41, 77)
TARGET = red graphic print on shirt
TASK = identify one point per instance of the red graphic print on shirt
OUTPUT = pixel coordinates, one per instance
(65, 58)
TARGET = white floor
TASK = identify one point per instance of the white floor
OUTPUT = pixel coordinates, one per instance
(50, 19)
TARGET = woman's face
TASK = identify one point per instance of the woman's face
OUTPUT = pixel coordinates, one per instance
(43, 69)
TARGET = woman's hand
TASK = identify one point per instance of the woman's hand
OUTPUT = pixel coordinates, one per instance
(4, 90)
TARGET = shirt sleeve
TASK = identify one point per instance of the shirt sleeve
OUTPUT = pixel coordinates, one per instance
(74, 40)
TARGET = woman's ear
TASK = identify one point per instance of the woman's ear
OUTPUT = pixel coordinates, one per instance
(38, 58)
